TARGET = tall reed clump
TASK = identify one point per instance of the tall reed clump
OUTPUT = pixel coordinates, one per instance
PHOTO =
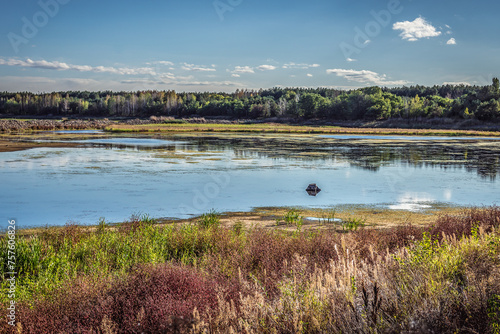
(142, 277)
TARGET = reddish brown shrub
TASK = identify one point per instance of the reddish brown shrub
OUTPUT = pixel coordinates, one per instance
(462, 225)
(153, 299)
(268, 257)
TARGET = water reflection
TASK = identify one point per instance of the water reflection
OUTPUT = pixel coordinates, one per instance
(176, 175)
(479, 155)
(410, 201)
(474, 155)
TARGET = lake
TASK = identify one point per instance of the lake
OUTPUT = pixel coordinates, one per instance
(178, 176)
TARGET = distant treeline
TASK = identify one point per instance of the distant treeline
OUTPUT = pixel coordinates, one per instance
(455, 101)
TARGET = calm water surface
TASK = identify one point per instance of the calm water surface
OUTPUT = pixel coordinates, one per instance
(184, 175)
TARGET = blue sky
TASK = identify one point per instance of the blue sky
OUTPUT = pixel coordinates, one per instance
(223, 45)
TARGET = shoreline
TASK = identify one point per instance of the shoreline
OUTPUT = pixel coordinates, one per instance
(14, 146)
(374, 216)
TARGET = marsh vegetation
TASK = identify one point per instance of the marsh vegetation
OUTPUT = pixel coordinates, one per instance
(146, 277)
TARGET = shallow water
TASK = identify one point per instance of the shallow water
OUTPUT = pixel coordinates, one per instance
(184, 175)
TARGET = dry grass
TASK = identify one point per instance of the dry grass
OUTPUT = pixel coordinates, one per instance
(282, 128)
(375, 217)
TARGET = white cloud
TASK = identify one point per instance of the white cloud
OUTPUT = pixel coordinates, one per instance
(351, 60)
(140, 81)
(365, 76)
(234, 75)
(45, 84)
(59, 66)
(266, 67)
(416, 29)
(447, 28)
(161, 62)
(197, 68)
(182, 78)
(243, 69)
(309, 75)
(177, 81)
(451, 41)
(168, 75)
(209, 83)
(457, 83)
(302, 66)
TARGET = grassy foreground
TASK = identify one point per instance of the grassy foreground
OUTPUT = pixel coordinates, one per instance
(145, 277)
(283, 128)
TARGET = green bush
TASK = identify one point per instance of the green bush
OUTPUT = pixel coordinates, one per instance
(353, 224)
(210, 219)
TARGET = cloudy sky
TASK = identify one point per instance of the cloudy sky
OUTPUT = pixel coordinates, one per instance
(223, 45)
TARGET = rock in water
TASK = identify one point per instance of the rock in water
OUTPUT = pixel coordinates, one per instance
(313, 189)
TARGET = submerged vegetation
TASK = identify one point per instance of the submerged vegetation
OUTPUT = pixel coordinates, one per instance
(146, 277)
(369, 103)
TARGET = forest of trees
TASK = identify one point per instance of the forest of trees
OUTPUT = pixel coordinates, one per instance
(455, 101)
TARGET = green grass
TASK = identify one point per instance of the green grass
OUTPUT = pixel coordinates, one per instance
(16, 119)
(353, 224)
(291, 217)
